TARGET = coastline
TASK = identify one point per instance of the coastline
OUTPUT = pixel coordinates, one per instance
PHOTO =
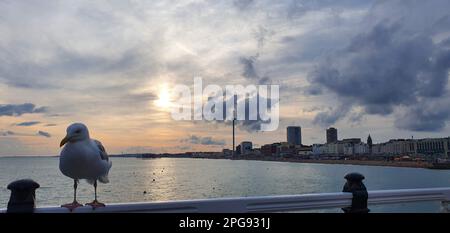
(383, 163)
(409, 164)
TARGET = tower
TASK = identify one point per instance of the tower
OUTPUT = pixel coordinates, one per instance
(234, 122)
(369, 143)
(332, 135)
(294, 135)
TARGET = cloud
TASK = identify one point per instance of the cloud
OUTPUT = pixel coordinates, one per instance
(389, 66)
(430, 115)
(19, 134)
(245, 124)
(28, 123)
(380, 58)
(20, 109)
(242, 4)
(329, 117)
(209, 141)
(44, 134)
(248, 67)
(7, 133)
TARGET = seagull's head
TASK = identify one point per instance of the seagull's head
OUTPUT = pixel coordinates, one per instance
(75, 132)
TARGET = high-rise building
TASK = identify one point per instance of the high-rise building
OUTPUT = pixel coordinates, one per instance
(332, 135)
(294, 135)
(370, 144)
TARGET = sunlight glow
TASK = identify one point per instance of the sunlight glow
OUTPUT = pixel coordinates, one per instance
(163, 100)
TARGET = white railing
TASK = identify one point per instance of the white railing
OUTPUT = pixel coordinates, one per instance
(267, 204)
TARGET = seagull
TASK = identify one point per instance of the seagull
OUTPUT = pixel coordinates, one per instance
(83, 158)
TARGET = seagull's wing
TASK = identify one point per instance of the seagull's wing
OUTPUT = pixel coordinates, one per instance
(103, 153)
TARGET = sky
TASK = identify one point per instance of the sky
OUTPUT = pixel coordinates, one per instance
(364, 67)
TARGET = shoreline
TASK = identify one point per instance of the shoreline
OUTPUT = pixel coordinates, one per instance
(382, 163)
(408, 164)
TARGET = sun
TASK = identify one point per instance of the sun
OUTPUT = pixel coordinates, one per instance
(163, 100)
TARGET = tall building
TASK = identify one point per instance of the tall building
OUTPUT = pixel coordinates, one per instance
(332, 135)
(370, 144)
(294, 135)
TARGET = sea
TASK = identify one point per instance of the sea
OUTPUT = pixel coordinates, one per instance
(164, 179)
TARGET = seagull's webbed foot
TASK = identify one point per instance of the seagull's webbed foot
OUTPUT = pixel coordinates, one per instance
(96, 204)
(72, 206)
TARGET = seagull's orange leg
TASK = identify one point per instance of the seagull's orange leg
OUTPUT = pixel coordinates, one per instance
(74, 204)
(95, 203)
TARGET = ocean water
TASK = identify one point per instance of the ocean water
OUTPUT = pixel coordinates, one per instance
(136, 180)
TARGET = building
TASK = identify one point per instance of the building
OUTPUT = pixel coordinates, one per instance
(332, 135)
(430, 148)
(286, 149)
(328, 149)
(304, 151)
(369, 144)
(269, 149)
(266, 150)
(238, 150)
(349, 146)
(433, 146)
(227, 152)
(246, 147)
(351, 140)
(437, 147)
(395, 147)
(294, 135)
(356, 148)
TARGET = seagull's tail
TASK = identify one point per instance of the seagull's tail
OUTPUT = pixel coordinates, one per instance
(104, 179)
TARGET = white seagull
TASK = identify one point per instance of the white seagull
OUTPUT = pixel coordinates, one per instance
(83, 158)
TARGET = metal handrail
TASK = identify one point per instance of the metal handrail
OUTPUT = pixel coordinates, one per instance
(267, 203)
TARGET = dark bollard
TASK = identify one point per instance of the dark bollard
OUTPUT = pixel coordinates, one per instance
(355, 186)
(23, 195)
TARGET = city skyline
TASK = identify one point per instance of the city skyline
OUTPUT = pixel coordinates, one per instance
(363, 67)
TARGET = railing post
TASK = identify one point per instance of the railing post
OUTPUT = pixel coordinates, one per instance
(22, 199)
(444, 207)
(355, 186)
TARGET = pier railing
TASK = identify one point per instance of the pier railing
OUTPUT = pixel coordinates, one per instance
(267, 204)
(349, 201)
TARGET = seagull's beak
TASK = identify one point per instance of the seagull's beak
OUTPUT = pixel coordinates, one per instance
(64, 141)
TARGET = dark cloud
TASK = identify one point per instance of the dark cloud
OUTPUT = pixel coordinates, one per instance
(248, 67)
(22, 73)
(329, 117)
(7, 133)
(313, 90)
(20, 109)
(44, 134)
(298, 8)
(261, 35)
(249, 70)
(313, 109)
(28, 123)
(209, 141)
(242, 4)
(426, 116)
(247, 124)
(387, 67)
(355, 118)
(248, 63)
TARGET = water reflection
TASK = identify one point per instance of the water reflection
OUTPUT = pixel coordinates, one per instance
(135, 180)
